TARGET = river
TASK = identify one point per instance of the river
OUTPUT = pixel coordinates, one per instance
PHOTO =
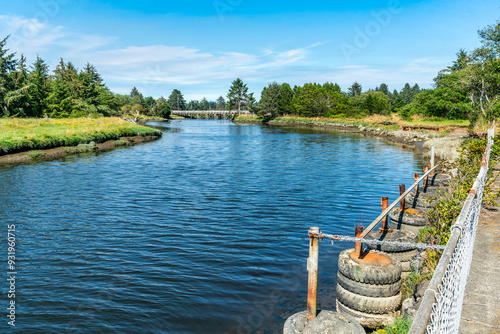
(202, 231)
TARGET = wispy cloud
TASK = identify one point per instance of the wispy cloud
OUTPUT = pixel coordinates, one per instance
(156, 69)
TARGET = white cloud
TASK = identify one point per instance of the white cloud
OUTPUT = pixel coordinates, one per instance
(156, 69)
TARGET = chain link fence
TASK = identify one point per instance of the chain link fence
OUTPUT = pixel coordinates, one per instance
(441, 306)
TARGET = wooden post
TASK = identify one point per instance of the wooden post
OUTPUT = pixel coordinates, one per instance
(401, 192)
(432, 160)
(312, 267)
(426, 169)
(385, 204)
(416, 177)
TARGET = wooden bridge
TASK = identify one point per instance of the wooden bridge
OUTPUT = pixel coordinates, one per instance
(209, 113)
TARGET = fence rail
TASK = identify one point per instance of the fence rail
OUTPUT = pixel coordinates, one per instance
(208, 112)
(441, 306)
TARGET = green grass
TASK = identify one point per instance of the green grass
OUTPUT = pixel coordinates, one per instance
(400, 325)
(373, 120)
(120, 142)
(23, 134)
(35, 155)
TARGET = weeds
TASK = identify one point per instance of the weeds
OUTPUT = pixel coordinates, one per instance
(400, 325)
(446, 211)
(425, 273)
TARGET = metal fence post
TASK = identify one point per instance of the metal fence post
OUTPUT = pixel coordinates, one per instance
(432, 160)
(358, 244)
(385, 205)
(312, 267)
(401, 192)
(415, 176)
(426, 169)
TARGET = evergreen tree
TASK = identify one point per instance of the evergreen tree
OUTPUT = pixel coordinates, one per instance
(220, 103)
(238, 95)
(176, 100)
(17, 99)
(7, 65)
(204, 104)
(39, 87)
(354, 90)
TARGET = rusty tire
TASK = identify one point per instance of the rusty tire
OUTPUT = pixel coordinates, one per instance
(405, 256)
(396, 235)
(367, 320)
(439, 179)
(369, 290)
(369, 274)
(421, 201)
(403, 217)
(376, 305)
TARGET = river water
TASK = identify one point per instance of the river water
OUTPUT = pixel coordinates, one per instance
(203, 231)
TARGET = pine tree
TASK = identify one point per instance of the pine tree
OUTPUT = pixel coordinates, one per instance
(176, 100)
(7, 65)
(39, 87)
(238, 94)
(354, 90)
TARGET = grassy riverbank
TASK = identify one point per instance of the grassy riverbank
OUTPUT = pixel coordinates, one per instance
(23, 134)
(391, 121)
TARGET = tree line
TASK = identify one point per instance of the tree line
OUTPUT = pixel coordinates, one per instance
(468, 89)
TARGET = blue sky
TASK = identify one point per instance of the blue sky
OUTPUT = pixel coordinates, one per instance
(199, 47)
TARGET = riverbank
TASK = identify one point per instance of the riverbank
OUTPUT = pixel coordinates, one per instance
(445, 135)
(22, 140)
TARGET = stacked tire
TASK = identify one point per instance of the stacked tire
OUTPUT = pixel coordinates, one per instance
(409, 219)
(427, 197)
(369, 293)
(405, 255)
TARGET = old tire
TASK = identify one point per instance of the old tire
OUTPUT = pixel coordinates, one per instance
(369, 274)
(396, 235)
(433, 190)
(369, 290)
(405, 256)
(413, 217)
(404, 227)
(367, 320)
(380, 305)
(421, 201)
(439, 179)
(328, 322)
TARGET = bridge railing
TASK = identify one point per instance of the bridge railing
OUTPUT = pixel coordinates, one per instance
(209, 112)
(441, 307)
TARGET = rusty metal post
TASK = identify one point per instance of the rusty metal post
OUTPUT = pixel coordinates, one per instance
(432, 160)
(416, 177)
(426, 169)
(385, 205)
(312, 268)
(357, 245)
(401, 192)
